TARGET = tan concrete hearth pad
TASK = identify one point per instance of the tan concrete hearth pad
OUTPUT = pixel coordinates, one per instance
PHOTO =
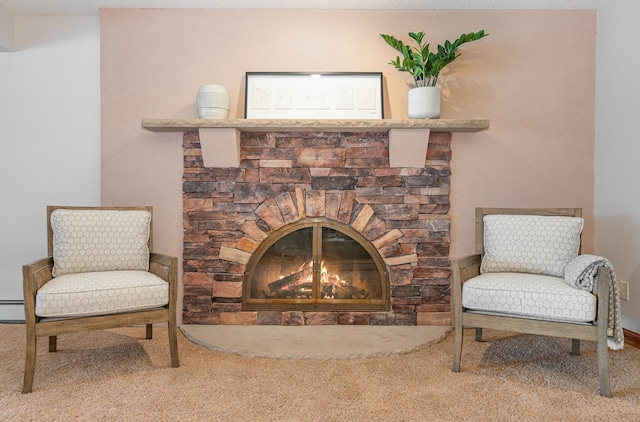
(314, 341)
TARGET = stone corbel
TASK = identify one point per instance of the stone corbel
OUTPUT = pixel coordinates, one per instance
(408, 147)
(220, 147)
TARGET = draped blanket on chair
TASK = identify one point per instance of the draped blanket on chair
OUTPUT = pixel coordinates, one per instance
(581, 273)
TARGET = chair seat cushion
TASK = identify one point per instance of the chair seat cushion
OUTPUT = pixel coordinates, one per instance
(101, 293)
(530, 296)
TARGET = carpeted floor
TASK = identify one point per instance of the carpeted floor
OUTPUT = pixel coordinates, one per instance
(116, 375)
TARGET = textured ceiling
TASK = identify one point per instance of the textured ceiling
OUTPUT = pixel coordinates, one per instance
(92, 7)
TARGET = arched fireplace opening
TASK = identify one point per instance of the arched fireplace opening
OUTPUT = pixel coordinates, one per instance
(316, 264)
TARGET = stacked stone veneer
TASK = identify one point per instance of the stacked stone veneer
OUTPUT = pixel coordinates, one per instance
(284, 177)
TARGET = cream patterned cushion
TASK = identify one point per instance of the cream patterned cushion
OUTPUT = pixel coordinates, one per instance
(99, 240)
(530, 243)
(100, 293)
(528, 295)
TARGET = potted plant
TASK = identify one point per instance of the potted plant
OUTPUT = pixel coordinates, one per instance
(425, 67)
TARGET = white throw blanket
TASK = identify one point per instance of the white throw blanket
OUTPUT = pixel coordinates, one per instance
(581, 273)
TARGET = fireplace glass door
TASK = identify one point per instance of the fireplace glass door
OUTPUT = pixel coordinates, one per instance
(316, 264)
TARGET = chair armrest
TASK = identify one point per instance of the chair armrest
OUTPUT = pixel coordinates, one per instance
(462, 269)
(465, 268)
(164, 266)
(37, 274)
(602, 291)
(34, 276)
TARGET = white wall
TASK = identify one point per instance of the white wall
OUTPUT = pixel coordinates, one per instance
(617, 208)
(49, 136)
(6, 32)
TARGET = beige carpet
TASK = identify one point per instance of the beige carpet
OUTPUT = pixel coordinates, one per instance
(116, 375)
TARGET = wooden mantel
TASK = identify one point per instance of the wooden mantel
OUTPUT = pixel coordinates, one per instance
(408, 139)
(308, 125)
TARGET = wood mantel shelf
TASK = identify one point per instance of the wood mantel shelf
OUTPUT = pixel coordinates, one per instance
(312, 125)
(408, 139)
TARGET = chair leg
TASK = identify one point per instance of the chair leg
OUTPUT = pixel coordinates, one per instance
(603, 367)
(30, 361)
(601, 334)
(149, 332)
(457, 348)
(575, 346)
(173, 343)
(478, 334)
(53, 344)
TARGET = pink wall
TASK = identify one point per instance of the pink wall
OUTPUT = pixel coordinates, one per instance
(534, 77)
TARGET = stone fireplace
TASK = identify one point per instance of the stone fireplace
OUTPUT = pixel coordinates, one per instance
(316, 228)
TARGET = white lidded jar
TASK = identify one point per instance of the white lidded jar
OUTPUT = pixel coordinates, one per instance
(212, 102)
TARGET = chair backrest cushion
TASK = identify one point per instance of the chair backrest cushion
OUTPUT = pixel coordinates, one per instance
(100, 240)
(533, 244)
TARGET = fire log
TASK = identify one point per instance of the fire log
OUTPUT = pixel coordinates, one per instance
(291, 281)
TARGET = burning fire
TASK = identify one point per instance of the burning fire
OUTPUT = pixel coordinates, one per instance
(329, 282)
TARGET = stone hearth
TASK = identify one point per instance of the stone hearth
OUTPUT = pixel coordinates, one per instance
(288, 176)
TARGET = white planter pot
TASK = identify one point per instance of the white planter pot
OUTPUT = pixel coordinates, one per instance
(212, 102)
(424, 102)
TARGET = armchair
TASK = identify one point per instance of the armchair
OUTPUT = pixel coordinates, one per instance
(100, 274)
(515, 282)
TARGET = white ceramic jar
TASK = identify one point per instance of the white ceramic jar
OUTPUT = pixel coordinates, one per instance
(424, 103)
(212, 102)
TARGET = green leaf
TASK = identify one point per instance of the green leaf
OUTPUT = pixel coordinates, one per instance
(425, 51)
(418, 37)
(424, 65)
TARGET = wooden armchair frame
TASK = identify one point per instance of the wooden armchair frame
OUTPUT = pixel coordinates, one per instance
(469, 267)
(38, 273)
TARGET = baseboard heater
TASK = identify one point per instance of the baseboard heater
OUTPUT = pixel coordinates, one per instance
(12, 311)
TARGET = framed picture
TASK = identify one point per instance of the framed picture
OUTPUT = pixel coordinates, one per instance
(298, 95)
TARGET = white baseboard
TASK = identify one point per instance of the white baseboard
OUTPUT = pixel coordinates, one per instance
(11, 310)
